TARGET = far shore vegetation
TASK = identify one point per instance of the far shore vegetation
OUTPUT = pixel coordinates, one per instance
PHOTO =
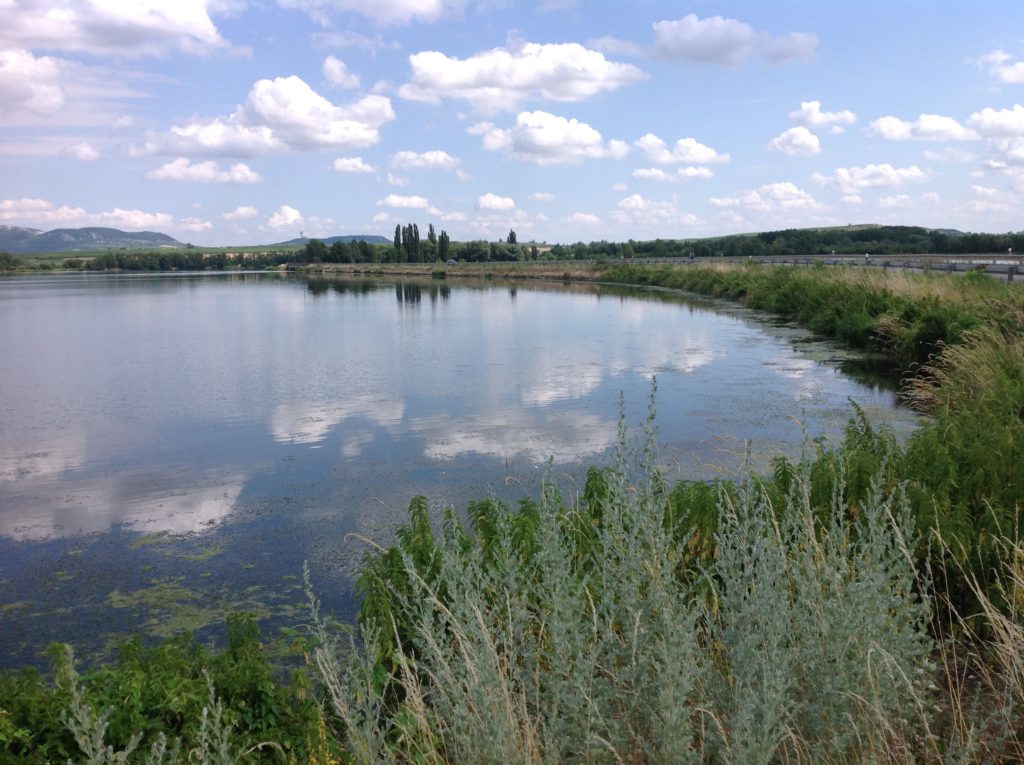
(863, 603)
(410, 246)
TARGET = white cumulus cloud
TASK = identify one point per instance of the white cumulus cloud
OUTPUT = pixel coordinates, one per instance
(663, 176)
(794, 46)
(796, 142)
(280, 114)
(285, 217)
(853, 180)
(927, 127)
(998, 123)
(403, 202)
(542, 196)
(714, 40)
(29, 83)
(896, 202)
(583, 219)
(337, 73)
(501, 79)
(772, 197)
(728, 42)
(49, 91)
(39, 213)
(547, 139)
(351, 165)
(194, 224)
(84, 152)
(494, 202)
(133, 220)
(106, 27)
(686, 150)
(1001, 65)
(181, 169)
(950, 154)
(430, 160)
(241, 213)
(811, 116)
(638, 210)
(381, 11)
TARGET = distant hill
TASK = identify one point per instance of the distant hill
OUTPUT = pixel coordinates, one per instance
(368, 238)
(17, 240)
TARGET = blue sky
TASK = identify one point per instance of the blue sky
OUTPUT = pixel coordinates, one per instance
(250, 121)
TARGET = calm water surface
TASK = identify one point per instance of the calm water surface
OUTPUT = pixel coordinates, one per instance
(175, 446)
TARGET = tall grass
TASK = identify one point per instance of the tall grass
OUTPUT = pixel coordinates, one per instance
(582, 630)
(907, 315)
(960, 345)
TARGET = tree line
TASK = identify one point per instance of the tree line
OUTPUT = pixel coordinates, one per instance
(408, 246)
(847, 240)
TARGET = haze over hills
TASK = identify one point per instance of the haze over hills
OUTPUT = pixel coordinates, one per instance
(18, 240)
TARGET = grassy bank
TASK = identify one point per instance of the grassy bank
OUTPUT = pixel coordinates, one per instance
(563, 270)
(860, 604)
(960, 345)
(903, 314)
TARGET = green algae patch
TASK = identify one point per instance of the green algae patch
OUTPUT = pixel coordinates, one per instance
(172, 608)
(148, 540)
(203, 553)
(159, 595)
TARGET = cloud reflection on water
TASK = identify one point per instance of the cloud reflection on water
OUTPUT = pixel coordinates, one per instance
(298, 422)
(481, 374)
(568, 436)
(148, 502)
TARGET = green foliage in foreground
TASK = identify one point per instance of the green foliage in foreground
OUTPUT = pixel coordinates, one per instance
(595, 630)
(790, 617)
(177, 697)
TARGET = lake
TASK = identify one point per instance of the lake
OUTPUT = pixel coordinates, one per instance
(176, 446)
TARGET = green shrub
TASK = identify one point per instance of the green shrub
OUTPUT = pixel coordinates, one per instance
(170, 692)
(601, 630)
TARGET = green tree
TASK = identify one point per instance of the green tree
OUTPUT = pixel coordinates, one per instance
(340, 253)
(8, 262)
(511, 237)
(443, 246)
(315, 251)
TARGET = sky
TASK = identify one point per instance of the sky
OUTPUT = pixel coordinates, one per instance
(233, 122)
